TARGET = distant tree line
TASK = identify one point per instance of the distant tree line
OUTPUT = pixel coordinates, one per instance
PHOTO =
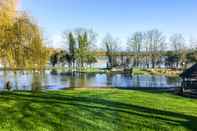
(151, 50)
(148, 49)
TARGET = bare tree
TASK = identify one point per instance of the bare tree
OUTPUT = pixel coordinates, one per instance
(135, 44)
(178, 46)
(154, 41)
(110, 48)
(193, 43)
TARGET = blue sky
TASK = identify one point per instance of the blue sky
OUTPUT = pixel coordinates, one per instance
(120, 18)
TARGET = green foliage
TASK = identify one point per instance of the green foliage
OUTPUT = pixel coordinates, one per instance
(192, 56)
(80, 51)
(91, 58)
(72, 49)
(54, 59)
(171, 59)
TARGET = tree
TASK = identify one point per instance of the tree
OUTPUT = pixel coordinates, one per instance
(192, 56)
(54, 59)
(63, 58)
(72, 46)
(7, 12)
(6, 20)
(80, 46)
(110, 47)
(81, 52)
(21, 41)
(91, 59)
(135, 44)
(155, 42)
(178, 46)
(22, 44)
(170, 59)
(193, 43)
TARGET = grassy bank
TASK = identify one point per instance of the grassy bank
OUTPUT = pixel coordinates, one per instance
(165, 72)
(97, 109)
(136, 71)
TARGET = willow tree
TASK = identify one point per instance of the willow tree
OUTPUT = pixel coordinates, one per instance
(7, 16)
(7, 11)
(28, 46)
(21, 43)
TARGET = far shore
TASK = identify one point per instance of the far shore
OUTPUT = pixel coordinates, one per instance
(134, 71)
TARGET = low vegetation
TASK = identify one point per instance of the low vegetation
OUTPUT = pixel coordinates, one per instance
(163, 72)
(97, 109)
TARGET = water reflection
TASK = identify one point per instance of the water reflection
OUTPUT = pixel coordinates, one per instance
(35, 81)
(36, 84)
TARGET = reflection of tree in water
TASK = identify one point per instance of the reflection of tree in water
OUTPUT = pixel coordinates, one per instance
(37, 81)
(5, 75)
(90, 78)
(136, 81)
(153, 81)
(72, 80)
(126, 78)
(109, 78)
(80, 79)
(173, 81)
(123, 81)
(16, 79)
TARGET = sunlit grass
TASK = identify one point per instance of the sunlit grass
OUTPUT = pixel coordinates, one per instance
(97, 109)
(163, 72)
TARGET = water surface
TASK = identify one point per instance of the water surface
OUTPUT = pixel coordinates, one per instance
(26, 80)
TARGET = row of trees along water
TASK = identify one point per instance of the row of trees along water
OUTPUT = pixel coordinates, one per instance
(22, 46)
(21, 40)
(148, 49)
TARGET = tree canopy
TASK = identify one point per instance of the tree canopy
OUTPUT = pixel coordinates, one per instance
(21, 40)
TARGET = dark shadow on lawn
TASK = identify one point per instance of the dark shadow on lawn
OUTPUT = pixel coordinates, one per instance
(99, 108)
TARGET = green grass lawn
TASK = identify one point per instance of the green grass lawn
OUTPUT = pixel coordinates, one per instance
(97, 109)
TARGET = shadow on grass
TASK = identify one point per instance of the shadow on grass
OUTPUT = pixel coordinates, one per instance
(62, 112)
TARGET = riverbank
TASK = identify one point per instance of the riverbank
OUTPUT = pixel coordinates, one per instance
(58, 69)
(157, 71)
(98, 110)
(135, 71)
